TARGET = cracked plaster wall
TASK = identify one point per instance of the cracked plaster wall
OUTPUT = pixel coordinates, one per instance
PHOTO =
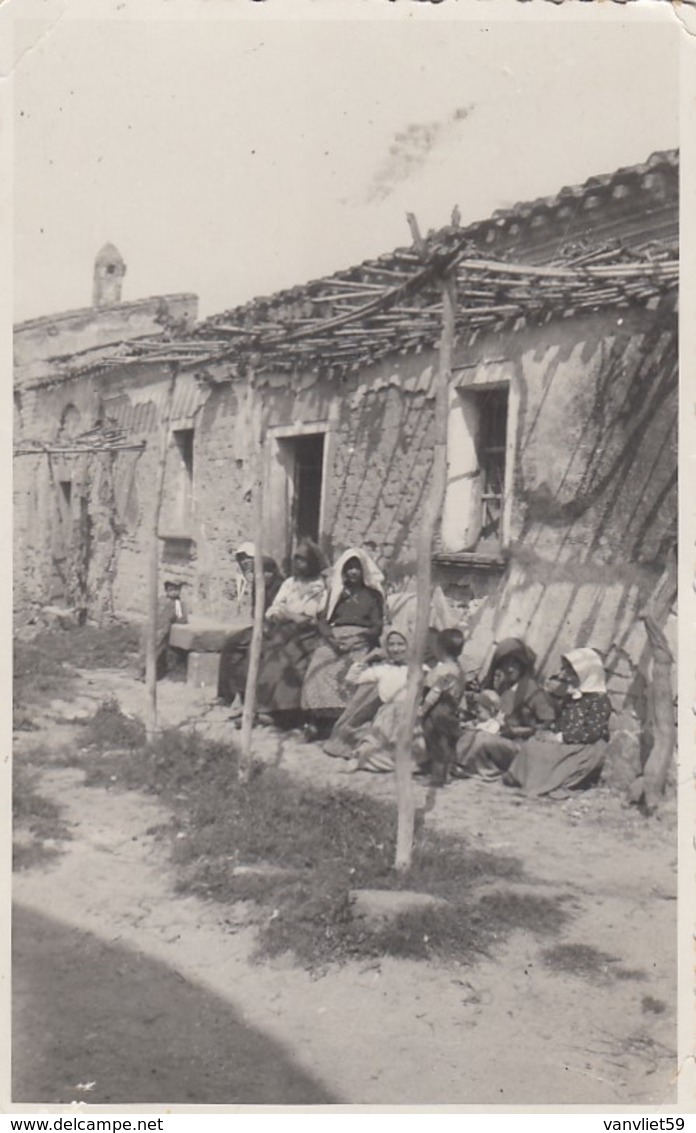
(594, 481)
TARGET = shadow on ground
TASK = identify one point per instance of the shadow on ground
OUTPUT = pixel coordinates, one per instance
(85, 1011)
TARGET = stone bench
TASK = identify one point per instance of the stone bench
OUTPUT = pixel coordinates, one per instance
(202, 640)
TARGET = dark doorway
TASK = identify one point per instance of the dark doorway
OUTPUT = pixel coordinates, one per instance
(309, 464)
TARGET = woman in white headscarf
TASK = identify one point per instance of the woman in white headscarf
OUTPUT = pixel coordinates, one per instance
(350, 627)
(374, 744)
(571, 755)
(375, 679)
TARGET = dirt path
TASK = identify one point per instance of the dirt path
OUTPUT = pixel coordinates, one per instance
(152, 996)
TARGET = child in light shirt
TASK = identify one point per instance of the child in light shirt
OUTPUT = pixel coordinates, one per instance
(489, 717)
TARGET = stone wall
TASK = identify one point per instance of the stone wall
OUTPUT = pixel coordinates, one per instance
(594, 516)
(591, 521)
(38, 341)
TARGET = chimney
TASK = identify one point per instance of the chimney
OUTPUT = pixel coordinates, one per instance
(109, 270)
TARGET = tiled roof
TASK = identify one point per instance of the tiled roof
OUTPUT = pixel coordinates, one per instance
(607, 185)
(551, 257)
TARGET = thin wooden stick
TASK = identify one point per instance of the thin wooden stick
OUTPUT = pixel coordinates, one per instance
(431, 511)
(591, 280)
(650, 785)
(151, 637)
(245, 753)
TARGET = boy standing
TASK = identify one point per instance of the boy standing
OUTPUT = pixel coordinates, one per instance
(438, 713)
(170, 610)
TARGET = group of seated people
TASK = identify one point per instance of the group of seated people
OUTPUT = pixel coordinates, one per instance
(334, 659)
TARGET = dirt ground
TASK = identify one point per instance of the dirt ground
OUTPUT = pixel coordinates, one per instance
(125, 991)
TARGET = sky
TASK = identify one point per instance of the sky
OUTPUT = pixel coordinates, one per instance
(234, 158)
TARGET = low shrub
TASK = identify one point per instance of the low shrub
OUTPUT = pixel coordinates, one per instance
(312, 846)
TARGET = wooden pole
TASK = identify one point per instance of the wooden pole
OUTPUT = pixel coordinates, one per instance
(651, 784)
(153, 594)
(245, 752)
(431, 512)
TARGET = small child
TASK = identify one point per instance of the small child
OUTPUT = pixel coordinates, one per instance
(172, 608)
(444, 686)
(170, 611)
(489, 717)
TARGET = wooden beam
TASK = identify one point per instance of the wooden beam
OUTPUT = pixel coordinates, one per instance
(248, 712)
(431, 512)
(153, 594)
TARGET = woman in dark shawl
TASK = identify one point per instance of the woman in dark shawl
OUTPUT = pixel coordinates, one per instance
(524, 707)
(234, 655)
(350, 627)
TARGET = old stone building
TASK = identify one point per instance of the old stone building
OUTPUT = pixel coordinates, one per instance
(561, 505)
(74, 488)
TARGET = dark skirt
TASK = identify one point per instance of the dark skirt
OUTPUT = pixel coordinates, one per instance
(543, 767)
(326, 692)
(480, 755)
(286, 650)
(286, 653)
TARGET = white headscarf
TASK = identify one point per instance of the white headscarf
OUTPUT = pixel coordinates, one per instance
(392, 631)
(245, 550)
(589, 668)
(372, 576)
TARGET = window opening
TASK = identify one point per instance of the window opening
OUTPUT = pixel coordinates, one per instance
(491, 450)
(184, 440)
(69, 423)
(476, 506)
(65, 508)
(184, 443)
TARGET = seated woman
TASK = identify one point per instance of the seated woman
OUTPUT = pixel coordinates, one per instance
(377, 679)
(350, 627)
(244, 573)
(234, 654)
(290, 636)
(376, 743)
(524, 706)
(571, 756)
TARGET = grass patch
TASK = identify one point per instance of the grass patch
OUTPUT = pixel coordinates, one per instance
(42, 666)
(37, 676)
(37, 822)
(651, 1006)
(111, 728)
(319, 843)
(588, 963)
(22, 720)
(90, 647)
